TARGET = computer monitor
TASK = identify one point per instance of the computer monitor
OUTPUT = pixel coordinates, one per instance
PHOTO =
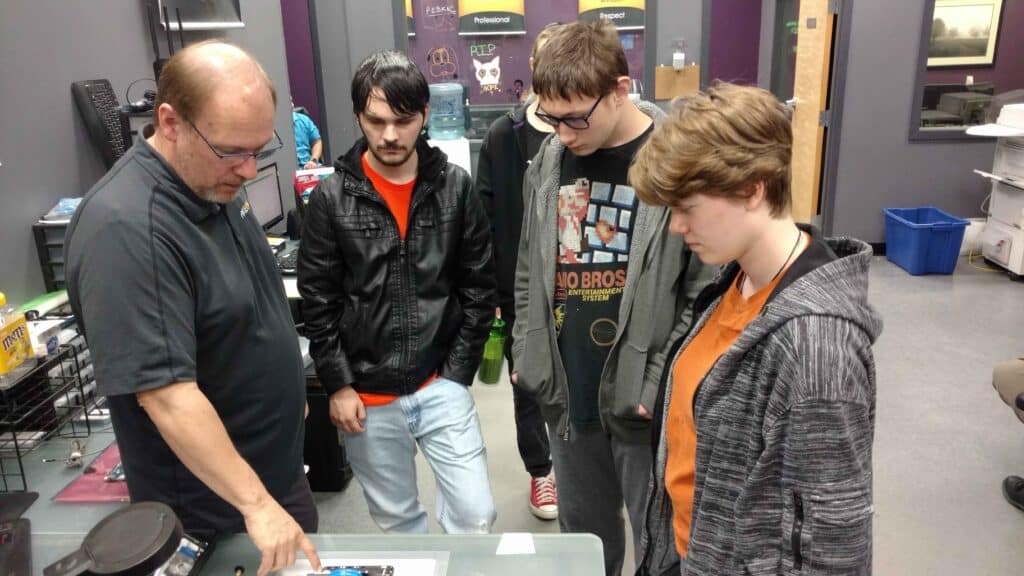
(264, 195)
(205, 15)
(932, 93)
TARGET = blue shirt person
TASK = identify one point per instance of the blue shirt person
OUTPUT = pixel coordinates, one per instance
(308, 146)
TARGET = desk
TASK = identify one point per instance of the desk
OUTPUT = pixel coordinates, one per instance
(554, 554)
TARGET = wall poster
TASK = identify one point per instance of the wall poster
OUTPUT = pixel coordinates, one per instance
(491, 17)
(625, 14)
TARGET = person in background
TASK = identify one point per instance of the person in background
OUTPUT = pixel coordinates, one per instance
(309, 148)
(1008, 380)
(767, 416)
(588, 337)
(511, 143)
(397, 282)
(178, 295)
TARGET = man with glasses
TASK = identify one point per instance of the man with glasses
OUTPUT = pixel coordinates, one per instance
(176, 290)
(589, 336)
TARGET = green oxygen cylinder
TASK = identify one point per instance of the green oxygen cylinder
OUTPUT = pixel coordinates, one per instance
(494, 352)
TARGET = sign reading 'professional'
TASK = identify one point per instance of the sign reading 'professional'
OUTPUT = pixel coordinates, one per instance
(625, 14)
(491, 17)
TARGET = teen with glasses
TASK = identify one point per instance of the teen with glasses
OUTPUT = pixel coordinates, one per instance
(588, 335)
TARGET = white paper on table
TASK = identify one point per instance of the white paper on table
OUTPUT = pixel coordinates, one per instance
(515, 543)
(402, 566)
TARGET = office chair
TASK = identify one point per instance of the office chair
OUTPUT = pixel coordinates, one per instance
(107, 125)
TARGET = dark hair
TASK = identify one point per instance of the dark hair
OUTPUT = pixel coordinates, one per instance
(397, 76)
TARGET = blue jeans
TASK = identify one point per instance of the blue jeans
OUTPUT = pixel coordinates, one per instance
(441, 419)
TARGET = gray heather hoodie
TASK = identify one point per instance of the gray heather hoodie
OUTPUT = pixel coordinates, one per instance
(785, 423)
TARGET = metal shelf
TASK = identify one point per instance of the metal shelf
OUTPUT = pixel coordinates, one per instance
(44, 403)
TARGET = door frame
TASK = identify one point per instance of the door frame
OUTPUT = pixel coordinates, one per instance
(836, 93)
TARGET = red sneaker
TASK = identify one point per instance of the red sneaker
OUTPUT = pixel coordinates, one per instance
(544, 497)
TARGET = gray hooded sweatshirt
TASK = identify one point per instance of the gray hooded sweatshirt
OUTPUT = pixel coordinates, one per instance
(785, 423)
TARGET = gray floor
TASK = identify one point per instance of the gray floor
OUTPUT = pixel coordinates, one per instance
(944, 441)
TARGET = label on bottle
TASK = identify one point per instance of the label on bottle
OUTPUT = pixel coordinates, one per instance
(16, 346)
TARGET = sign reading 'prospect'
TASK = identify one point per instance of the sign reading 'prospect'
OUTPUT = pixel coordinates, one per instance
(625, 14)
(491, 17)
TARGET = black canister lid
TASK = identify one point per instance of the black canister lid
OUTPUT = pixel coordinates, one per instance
(132, 541)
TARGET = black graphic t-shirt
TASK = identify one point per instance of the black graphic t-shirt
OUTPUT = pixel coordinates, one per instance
(596, 211)
(534, 138)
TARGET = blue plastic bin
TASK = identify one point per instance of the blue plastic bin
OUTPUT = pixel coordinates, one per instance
(923, 240)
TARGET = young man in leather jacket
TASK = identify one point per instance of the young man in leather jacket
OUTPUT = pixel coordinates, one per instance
(396, 276)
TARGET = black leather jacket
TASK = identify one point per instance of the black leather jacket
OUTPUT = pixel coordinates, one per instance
(383, 314)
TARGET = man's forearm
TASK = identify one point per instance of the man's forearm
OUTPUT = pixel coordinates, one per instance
(317, 150)
(196, 434)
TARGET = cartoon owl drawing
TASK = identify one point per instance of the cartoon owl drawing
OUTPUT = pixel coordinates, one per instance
(488, 74)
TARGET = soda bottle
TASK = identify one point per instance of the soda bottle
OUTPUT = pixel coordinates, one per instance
(494, 352)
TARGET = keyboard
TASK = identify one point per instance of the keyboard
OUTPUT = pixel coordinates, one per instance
(101, 113)
(287, 259)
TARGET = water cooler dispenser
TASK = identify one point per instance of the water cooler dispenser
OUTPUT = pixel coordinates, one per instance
(447, 116)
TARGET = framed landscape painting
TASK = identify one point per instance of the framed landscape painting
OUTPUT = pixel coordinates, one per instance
(964, 33)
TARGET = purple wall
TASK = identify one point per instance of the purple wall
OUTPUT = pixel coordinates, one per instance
(1008, 72)
(298, 47)
(734, 41)
(441, 53)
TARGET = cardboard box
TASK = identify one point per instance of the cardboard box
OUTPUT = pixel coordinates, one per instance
(670, 83)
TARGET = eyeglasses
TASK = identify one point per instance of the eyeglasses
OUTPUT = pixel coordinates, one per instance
(574, 122)
(267, 151)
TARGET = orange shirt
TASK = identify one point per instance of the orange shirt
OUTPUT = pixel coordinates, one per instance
(715, 337)
(398, 197)
(370, 399)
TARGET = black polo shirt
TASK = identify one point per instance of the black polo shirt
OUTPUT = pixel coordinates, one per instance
(171, 288)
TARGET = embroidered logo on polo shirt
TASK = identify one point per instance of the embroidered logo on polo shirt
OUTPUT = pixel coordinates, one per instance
(245, 210)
